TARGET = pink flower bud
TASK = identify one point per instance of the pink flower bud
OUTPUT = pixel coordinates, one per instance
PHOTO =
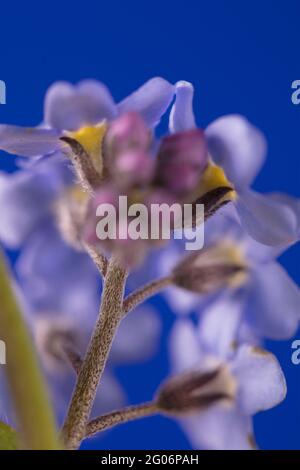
(182, 158)
(127, 132)
(133, 168)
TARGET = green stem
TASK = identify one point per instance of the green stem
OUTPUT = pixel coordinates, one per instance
(34, 414)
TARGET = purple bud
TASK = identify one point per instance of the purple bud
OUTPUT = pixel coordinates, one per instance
(159, 196)
(107, 228)
(179, 178)
(163, 214)
(182, 158)
(133, 168)
(125, 133)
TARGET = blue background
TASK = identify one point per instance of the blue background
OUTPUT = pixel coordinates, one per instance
(241, 56)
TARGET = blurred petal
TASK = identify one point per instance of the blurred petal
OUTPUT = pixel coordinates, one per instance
(238, 147)
(182, 115)
(138, 336)
(274, 301)
(259, 253)
(70, 106)
(110, 395)
(180, 301)
(261, 381)
(219, 428)
(61, 387)
(267, 221)
(184, 346)
(151, 100)
(57, 278)
(219, 324)
(25, 200)
(29, 142)
(290, 201)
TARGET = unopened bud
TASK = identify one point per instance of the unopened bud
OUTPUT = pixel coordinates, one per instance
(216, 267)
(196, 390)
(127, 132)
(132, 168)
(53, 337)
(181, 160)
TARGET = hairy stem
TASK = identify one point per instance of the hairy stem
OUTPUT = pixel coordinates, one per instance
(121, 416)
(27, 390)
(87, 173)
(144, 293)
(94, 362)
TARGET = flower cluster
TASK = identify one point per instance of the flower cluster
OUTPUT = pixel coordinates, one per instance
(131, 169)
(89, 151)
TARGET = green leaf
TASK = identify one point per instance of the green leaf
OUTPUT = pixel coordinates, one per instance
(28, 391)
(8, 437)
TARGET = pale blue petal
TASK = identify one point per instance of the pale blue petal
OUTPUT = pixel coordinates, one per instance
(184, 345)
(259, 253)
(110, 395)
(138, 337)
(219, 324)
(182, 115)
(181, 301)
(69, 107)
(61, 386)
(290, 201)
(151, 100)
(261, 383)
(267, 221)
(274, 302)
(219, 428)
(238, 147)
(29, 142)
(25, 201)
(56, 278)
(227, 221)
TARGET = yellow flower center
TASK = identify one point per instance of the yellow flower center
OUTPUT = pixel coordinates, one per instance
(91, 138)
(214, 177)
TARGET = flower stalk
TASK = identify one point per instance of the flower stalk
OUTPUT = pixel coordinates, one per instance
(146, 291)
(129, 413)
(95, 360)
